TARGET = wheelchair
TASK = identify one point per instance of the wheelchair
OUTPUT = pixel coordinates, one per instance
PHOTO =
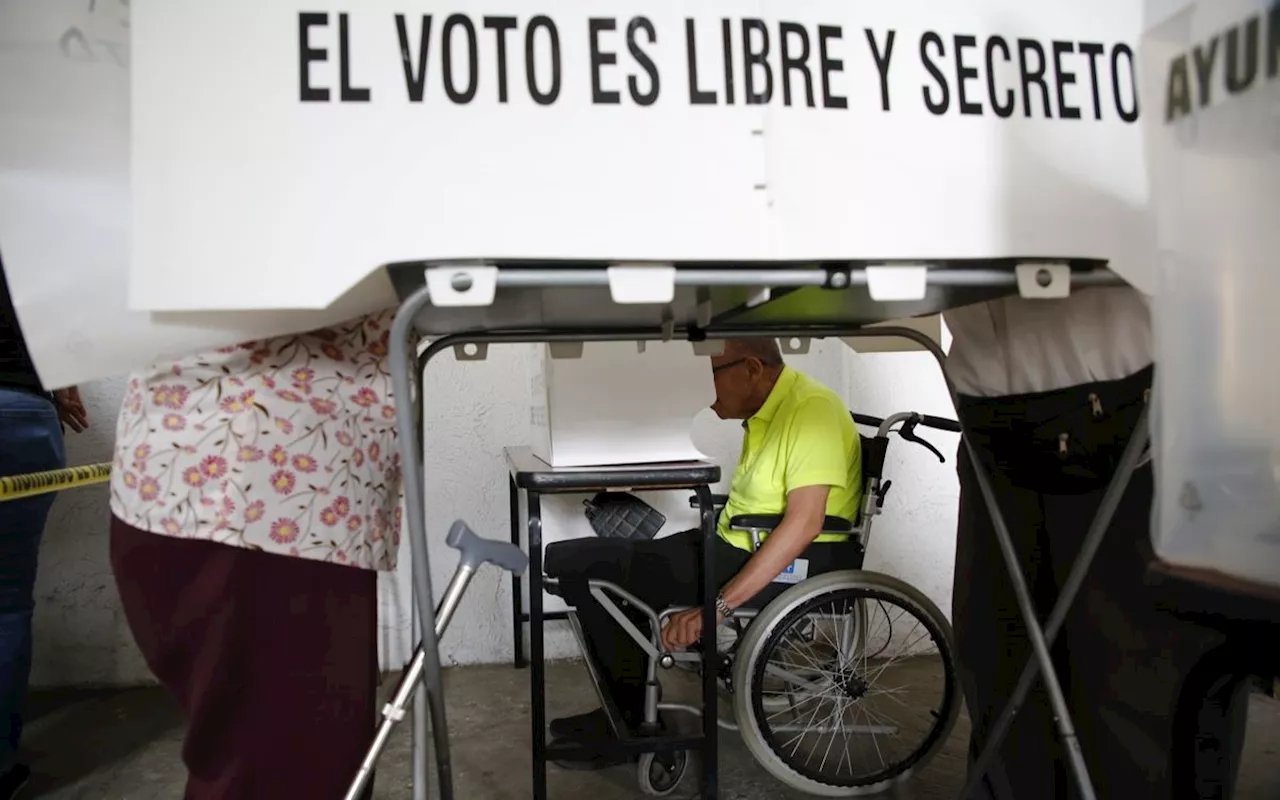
(805, 661)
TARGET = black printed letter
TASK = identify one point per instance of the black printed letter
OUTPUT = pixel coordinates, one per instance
(307, 54)
(1177, 95)
(1240, 77)
(1123, 50)
(882, 63)
(752, 58)
(500, 26)
(473, 68)
(646, 63)
(940, 106)
(800, 62)
(414, 81)
(1093, 50)
(1204, 69)
(963, 74)
(1035, 76)
(1064, 79)
(697, 96)
(598, 59)
(530, 66)
(348, 93)
(829, 65)
(1011, 102)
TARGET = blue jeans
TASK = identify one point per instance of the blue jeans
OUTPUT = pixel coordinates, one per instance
(30, 441)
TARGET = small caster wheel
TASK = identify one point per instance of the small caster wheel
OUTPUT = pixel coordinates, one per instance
(660, 773)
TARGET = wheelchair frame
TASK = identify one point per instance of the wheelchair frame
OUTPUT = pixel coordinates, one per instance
(875, 490)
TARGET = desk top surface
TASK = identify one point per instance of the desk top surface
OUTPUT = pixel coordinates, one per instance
(530, 472)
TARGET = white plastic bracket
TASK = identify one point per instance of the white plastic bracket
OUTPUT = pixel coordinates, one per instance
(1044, 281)
(794, 345)
(462, 284)
(471, 351)
(560, 350)
(392, 713)
(760, 297)
(640, 346)
(668, 324)
(709, 347)
(642, 283)
(897, 281)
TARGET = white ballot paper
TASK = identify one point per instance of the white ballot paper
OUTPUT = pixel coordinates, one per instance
(65, 205)
(615, 406)
(292, 146)
(1212, 86)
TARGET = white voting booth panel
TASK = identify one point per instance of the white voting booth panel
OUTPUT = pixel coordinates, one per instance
(1213, 93)
(65, 205)
(343, 136)
(605, 405)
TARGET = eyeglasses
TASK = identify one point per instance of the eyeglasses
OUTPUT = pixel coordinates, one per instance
(715, 370)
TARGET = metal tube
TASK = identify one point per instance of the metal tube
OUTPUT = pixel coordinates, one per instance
(411, 448)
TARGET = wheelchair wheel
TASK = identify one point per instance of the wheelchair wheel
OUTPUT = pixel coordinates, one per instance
(846, 684)
(659, 774)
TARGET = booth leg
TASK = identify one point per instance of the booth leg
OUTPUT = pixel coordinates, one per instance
(537, 662)
(710, 697)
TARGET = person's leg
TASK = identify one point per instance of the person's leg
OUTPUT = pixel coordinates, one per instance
(1134, 663)
(30, 441)
(991, 639)
(272, 659)
(661, 573)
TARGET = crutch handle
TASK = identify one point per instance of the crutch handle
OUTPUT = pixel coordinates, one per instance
(475, 550)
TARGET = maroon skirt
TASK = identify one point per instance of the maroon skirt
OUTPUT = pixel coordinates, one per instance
(272, 659)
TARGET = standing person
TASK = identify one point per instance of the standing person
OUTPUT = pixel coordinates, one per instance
(255, 493)
(31, 423)
(1049, 393)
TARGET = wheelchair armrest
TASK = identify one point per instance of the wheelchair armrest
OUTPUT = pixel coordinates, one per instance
(770, 521)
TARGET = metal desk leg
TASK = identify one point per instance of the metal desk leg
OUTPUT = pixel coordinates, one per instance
(1088, 549)
(537, 663)
(517, 600)
(710, 697)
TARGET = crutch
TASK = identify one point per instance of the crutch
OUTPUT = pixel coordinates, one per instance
(473, 551)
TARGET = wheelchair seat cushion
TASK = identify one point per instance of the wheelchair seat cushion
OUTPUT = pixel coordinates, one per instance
(819, 558)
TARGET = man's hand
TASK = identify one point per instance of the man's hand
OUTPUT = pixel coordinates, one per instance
(71, 409)
(684, 628)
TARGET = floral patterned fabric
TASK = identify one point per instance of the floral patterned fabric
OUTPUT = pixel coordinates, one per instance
(285, 445)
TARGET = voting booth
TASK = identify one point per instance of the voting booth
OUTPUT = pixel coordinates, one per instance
(654, 172)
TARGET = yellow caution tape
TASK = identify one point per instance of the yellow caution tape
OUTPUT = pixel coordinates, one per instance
(15, 487)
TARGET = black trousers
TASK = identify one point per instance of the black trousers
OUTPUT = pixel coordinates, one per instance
(1123, 662)
(660, 572)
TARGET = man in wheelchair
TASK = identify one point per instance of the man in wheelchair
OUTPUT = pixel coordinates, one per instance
(801, 459)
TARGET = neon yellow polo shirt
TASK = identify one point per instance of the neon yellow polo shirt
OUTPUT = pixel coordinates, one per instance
(801, 436)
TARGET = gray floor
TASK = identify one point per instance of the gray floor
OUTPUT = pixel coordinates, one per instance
(124, 745)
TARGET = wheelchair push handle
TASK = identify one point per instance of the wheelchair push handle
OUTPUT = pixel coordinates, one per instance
(475, 550)
(941, 423)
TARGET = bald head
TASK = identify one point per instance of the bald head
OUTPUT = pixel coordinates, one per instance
(765, 349)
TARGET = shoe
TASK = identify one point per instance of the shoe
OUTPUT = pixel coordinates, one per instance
(589, 725)
(12, 780)
(588, 763)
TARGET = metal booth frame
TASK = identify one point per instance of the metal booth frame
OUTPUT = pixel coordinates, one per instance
(471, 320)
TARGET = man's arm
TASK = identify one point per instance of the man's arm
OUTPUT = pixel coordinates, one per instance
(818, 458)
(801, 524)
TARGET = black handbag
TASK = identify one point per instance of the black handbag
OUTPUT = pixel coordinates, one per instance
(621, 515)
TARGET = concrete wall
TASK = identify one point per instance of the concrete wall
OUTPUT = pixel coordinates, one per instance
(474, 410)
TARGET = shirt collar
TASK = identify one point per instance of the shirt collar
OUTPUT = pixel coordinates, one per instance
(786, 381)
